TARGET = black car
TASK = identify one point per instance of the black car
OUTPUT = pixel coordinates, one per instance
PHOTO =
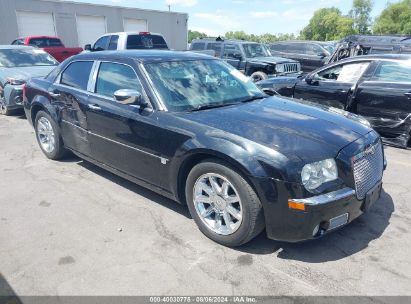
(311, 54)
(358, 45)
(377, 87)
(194, 129)
(251, 58)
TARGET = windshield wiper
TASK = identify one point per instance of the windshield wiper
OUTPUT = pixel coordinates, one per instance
(252, 98)
(210, 106)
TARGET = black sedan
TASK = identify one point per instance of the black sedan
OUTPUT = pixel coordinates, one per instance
(196, 130)
(377, 87)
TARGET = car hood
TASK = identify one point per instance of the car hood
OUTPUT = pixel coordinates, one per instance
(271, 60)
(293, 129)
(24, 73)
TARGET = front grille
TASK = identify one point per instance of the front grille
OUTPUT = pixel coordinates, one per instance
(368, 167)
(290, 67)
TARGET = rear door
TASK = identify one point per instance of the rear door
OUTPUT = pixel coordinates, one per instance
(70, 93)
(385, 99)
(124, 137)
(331, 86)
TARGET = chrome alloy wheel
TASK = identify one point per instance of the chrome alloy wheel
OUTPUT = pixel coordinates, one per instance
(217, 203)
(46, 135)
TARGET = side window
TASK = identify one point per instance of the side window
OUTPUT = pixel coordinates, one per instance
(278, 47)
(101, 44)
(231, 51)
(313, 49)
(216, 47)
(18, 42)
(296, 48)
(113, 76)
(348, 73)
(113, 42)
(392, 72)
(76, 75)
(197, 46)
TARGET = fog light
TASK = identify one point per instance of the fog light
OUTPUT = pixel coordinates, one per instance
(316, 228)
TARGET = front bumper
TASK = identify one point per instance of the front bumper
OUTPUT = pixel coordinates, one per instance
(323, 213)
(14, 97)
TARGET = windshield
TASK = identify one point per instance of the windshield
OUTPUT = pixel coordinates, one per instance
(11, 58)
(190, 85)
(252, 50)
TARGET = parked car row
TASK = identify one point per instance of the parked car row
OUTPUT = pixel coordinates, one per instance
(377, 87)
(195, 129)
(252, 59)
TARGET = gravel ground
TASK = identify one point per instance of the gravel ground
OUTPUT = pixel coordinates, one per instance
(71, 228)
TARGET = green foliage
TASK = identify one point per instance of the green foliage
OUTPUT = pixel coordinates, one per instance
(394, 19)
(264, 38)
(195, 35)
(360, 13)
(328, 24)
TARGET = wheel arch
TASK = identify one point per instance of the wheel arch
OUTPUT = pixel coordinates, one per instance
(199, 156)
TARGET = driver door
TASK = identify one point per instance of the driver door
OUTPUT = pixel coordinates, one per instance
(332, 86)
(232, 55)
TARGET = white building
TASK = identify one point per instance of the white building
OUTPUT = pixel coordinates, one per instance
(78, 24)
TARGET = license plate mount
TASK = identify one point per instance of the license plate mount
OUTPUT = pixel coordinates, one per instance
(371, 197)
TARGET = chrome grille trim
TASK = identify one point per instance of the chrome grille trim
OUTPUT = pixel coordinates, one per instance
(290, 67)
(368, 167)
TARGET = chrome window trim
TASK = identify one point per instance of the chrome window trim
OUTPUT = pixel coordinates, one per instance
(57, 81)
(163, 159)
(327, 197)
(93, 82)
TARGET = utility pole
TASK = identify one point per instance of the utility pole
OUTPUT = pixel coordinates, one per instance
(169, 7)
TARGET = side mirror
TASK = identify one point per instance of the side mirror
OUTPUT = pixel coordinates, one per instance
(310, 80)
(87, 47)
(322, 55)
(129, 97)
(237, 56)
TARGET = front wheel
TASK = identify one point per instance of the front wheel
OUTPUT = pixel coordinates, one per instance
(48, 136)
(258, 76)
(223, 204)
(3, 107)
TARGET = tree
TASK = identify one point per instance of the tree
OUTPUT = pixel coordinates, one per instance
(240, 35)
(394, 19)
(360, 13)
(328, 24)
(195, 35)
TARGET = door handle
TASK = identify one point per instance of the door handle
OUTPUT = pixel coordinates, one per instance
(54, 95)
(94, 107)
(342, 91)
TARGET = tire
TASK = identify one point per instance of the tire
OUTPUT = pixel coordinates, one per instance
(258, 76)
(3, 107)
(48, 136)
(210, 217)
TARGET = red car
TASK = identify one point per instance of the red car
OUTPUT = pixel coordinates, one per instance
(49, 44)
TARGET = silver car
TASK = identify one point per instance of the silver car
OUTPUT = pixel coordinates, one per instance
(17, 65)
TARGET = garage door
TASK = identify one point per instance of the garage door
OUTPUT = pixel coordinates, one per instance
(89, 28)
(134, 25)
(35, 24)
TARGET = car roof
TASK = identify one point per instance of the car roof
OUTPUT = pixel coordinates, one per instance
(143, 56)
(132, 33)
(214, 40)
(397, 57)
(12, 47)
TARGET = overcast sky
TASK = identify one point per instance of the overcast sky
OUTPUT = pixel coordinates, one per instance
(216, 17)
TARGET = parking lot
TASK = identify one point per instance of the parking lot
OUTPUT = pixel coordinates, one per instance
(70, 228)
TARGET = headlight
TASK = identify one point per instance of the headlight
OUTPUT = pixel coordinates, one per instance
(315, 174)
(15, 81)
(279, 68)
